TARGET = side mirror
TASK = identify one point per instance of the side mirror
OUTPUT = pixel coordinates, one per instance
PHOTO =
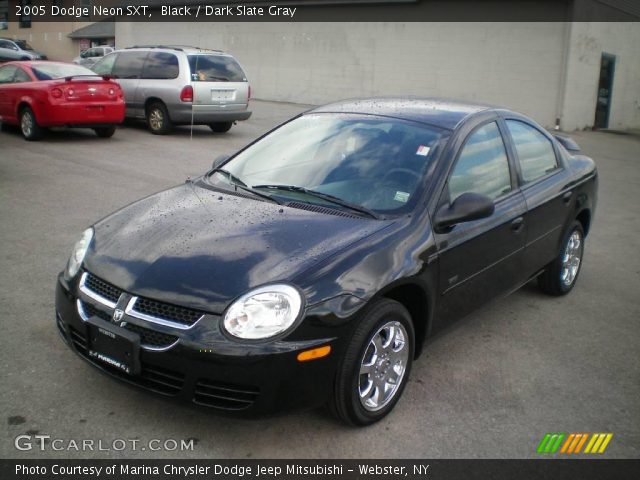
(465, 208)
(219, 161)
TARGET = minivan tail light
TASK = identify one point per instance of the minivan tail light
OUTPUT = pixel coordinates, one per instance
(56, 93)
(249, 96)
(187, 94)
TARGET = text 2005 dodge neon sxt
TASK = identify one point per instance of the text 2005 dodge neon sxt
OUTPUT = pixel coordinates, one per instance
(310, 267)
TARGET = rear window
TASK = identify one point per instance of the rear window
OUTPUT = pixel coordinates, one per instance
(50, 71)
(161, 66)
(215, 68)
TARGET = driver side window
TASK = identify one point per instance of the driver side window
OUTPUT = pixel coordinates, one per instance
(482, 166)
(105, 66)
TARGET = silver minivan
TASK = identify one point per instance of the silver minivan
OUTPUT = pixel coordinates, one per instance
(176, 85)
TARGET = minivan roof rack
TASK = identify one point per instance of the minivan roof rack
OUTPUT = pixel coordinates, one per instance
(179, 48)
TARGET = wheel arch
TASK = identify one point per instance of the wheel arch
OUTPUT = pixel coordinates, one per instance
(151, 100)
(416, 298)
(584, 217)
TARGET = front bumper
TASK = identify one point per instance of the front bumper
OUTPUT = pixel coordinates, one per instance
(248, 380)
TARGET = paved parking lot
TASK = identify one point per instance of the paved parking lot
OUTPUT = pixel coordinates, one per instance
(489, 387)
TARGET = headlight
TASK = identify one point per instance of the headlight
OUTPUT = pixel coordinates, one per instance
(78, 253)
(263, 312)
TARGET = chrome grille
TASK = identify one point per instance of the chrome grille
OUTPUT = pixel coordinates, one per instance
(166, 311)
(102, 288)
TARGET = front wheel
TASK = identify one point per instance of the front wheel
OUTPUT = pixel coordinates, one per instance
(376, 365)
(561, 274)
(29, 125)
(221, 127)
(105, 132)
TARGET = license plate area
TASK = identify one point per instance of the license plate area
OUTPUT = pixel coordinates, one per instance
(113, 346)
(222, 95)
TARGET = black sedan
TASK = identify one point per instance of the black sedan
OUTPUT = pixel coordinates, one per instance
(309, 267)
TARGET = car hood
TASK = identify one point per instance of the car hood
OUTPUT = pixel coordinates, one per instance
(202, 248)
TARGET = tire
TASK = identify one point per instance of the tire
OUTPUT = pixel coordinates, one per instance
(561, 275)
(158, 119)
(354, 399)
(105, 132)
(221, 127)
(29, 125)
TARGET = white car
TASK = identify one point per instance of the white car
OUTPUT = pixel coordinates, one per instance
(90, 56)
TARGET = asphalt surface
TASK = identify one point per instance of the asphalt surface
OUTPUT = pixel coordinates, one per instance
(489, 387)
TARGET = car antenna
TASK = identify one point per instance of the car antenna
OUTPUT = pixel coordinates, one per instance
(193, 96)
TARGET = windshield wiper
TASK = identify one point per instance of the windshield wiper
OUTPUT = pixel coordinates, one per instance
(237, 183)
(323, 196)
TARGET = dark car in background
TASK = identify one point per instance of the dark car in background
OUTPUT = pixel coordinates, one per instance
(309, 267)
(18, 50)
(179, 85)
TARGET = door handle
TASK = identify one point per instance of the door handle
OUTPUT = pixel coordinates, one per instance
(566, 197)
(517, 224)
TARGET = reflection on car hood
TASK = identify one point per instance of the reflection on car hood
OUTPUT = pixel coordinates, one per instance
(202, 248)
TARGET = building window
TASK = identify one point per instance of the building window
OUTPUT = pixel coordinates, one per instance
(25, 20)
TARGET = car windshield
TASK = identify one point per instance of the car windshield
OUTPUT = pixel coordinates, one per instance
(376, 163)
(215, 68)
(51, 71)
(23, 45)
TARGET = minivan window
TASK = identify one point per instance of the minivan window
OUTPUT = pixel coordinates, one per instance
(129, 65)
(482, 167)
(105, 65)
(535, 151)
(161, 66)
(215, 68)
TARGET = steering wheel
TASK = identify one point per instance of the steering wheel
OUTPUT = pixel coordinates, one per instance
(402, 172)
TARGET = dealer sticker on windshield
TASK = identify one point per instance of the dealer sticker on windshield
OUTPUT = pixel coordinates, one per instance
(423, 150)
(401, 197)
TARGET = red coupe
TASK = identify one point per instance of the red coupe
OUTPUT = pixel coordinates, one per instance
(36, 95)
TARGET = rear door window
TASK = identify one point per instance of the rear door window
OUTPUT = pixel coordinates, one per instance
(161, 66)
(215, 68)
(129, 65)
(535, 151)
(21, 76)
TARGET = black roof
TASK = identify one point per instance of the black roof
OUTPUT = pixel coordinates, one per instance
(434, 111)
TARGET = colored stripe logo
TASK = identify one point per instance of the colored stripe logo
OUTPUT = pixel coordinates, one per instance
(573, 443)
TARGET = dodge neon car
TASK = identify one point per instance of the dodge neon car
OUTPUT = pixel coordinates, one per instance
(309, 267)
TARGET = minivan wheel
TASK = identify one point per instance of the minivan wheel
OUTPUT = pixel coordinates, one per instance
(376, 365)
(561, 274)
(105, 132)
(221, 127)
(158, 119)
(29, 125)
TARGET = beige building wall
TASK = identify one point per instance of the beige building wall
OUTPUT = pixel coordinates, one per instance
(49, 38)
(588, 42)
(545, 70)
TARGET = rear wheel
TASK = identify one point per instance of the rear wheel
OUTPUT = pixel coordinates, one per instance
(158, 119)
(221, 127)
(376, 365)
(105, 132)
(561, 274)
(29, 125)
